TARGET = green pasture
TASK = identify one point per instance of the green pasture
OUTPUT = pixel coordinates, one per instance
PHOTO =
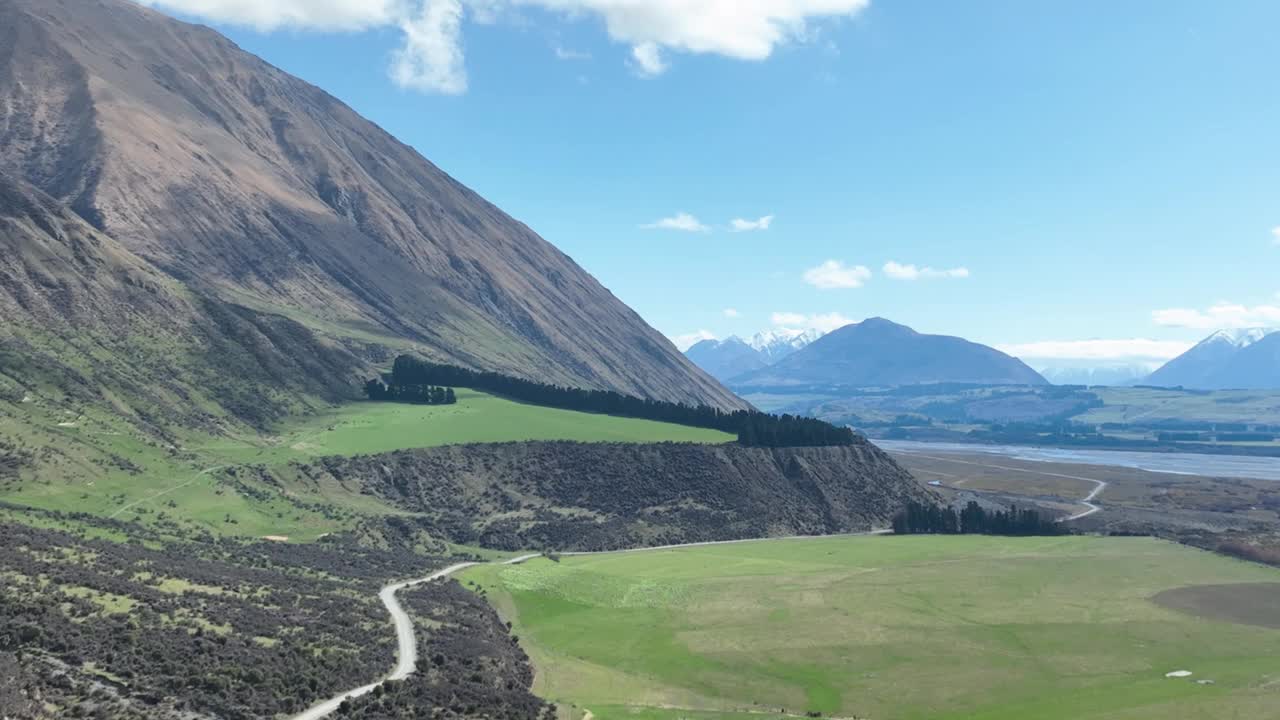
(370, 428)
(1139, 405)
(889, 627)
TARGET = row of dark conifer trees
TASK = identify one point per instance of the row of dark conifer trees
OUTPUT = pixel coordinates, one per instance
(928, 519)
(417, 394)
(753, 428)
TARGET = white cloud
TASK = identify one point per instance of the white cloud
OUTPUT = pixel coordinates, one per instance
(1220, 316)
(681, 221)
(898, 271)
(833, 274)
(741, 225)
(740, 29)
(826, 322)
(1275, 235)
(688, 340)
(432, 58)
(648, 60)
(322, 15)
(1135, 349)
(731, 313)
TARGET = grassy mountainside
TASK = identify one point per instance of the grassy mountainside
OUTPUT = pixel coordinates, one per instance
(106, 363)
(88, 319)
(91, 462)
(222, 170)
(990, 628)
(594, 496)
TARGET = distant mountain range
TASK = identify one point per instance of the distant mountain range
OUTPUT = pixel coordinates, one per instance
(873, 353)
(1116, 375)
(733, 356)
(1228, 359)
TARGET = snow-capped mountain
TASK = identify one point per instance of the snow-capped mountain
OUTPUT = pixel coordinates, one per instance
(1240, 338)
(777, 344)
(1243, 359)
(733, 356)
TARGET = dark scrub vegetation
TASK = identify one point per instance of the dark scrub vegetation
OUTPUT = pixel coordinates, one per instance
(12, 459)
(606, 496)
(410, 375)
(163, 628)
(469, 665)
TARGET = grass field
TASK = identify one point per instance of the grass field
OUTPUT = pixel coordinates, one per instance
(369, 428)
(181, 482)
(883, 627)
(1131, 405)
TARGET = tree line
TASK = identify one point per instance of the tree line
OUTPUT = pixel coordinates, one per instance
(376, 390)
(928, 519)
(753, 428)
(761, 430)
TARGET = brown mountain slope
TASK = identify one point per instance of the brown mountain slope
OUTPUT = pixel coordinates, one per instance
(236, 177)
(87, 324)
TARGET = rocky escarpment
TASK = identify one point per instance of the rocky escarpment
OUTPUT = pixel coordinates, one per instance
(599, 496)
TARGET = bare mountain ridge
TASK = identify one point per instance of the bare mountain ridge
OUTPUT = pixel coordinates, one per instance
(249, 184)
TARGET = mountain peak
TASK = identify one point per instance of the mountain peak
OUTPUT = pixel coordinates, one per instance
(882, 323)
(1243, 358)
(1240, 337)
(876, 325)
(881, 353)
(735, 356)
(768, 339)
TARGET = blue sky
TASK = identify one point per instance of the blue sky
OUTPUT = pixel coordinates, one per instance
(1091, 178)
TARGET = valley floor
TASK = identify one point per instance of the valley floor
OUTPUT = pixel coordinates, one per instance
(885, 627)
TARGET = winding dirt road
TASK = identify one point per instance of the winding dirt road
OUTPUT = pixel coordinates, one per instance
(407, 653)
(1098, 485)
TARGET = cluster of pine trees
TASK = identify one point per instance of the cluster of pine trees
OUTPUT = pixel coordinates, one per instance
(761, 430)
(416, 394)
(753, 428)
(928, 519)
